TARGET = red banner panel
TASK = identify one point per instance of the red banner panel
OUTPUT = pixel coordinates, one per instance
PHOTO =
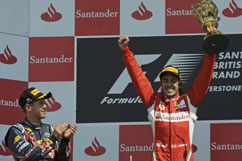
(10, 111)
(51, 59)
(135, 143)
(226, 143)
(97, 17)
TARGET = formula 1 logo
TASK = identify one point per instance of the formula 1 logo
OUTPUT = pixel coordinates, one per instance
(7, 57)
(142, 13)
(187, 63)
(124, 79)
(51, 15)
(95, 149)
(233, 10)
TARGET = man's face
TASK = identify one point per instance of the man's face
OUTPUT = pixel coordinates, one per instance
(39, 109)
(169, 85)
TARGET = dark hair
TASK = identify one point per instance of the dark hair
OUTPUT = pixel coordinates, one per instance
(31, 104)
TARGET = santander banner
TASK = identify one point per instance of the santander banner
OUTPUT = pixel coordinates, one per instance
(135, 143)
(97, 17)
(10, 111)
(51, 59)
(226, 142)
(180, 17)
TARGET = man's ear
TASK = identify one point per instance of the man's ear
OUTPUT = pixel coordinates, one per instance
(28, 108)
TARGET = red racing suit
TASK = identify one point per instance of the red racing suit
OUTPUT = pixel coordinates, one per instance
(172, 119)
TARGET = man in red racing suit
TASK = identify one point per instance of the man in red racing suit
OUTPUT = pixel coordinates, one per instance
(172, 116)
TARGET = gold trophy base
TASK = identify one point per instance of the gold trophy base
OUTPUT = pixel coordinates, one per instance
(215, 42)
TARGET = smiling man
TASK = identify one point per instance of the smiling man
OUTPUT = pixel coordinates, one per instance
(172, 113)
(33, 140)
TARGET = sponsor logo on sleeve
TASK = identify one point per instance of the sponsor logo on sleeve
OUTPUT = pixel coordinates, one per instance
(20, 148)
(16, 139)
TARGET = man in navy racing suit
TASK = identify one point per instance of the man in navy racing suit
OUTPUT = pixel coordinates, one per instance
(32, 140)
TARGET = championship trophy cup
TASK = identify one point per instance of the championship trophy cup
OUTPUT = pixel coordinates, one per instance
(206, 13)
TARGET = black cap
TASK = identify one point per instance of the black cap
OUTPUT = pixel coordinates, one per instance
(172, 70)
(32, 94)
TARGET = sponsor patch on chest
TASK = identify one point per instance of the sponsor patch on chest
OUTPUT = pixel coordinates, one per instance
(161, 106)
(172, 117)
(181, 104)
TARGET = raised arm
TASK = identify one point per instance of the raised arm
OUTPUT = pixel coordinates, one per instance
(140, 81)
(202, 81)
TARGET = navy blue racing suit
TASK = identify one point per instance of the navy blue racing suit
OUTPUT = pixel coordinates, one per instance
(30, 142)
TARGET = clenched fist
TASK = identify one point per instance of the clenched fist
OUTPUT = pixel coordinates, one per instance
(123, 42)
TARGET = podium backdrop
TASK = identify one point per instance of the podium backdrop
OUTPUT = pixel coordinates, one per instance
(69, 47)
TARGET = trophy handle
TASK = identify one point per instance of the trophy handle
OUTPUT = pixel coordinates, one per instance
(199, 15)
(215, 42)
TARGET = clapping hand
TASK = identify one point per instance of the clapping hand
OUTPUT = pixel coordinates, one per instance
(70, 131)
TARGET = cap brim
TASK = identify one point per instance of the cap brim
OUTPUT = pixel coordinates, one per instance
(45, 96)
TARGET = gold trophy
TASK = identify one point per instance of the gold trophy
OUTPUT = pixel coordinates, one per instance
(206, 13)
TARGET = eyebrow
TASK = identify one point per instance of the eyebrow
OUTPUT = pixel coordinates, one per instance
(174, 78)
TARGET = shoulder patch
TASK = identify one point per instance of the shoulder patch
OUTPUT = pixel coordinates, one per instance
(28, 129)
(16, 139)
(19, 127)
